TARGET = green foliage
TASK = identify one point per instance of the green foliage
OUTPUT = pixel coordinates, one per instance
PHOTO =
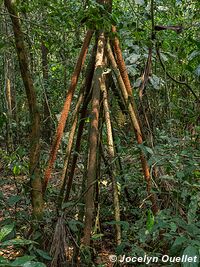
(97, 237)
(173, 115)
(7, 229)
(16, 169)
(86, 256)
(21, 261)
(43, 254)
(97, 17)
(13, 200)
(16, 242)
(191, 251)
(150, 220)
(73, 225)
(26, 260)
(3, 119)
(16, 162)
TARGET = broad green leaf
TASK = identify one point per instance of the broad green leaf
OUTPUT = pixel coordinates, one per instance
(139, 2)
(173, 226)
(3, 119)
(193, 55)
(149, 150)
(163, 57)
(180, 174)
(133, 58)
(162, 8)
(197, 174)
(73, 225)
(17, 169)
(87, 119)
(150, 220)
(156, 81)
(193, 207)
(7, 229)
(191, 252)
(195, 243)
(67, 204)
(192, 229)
(22, 260)
(132, 70)
(13, 200)
(43, 254)
(197, 71)
(178, 245)
(120, 248)
(34, 264)
(137, 82)
(17, 242)
(180, 240)
(97, 236)
(3, 261)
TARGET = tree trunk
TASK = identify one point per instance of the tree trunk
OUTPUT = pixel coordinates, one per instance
(87, 97)
(67, 104)
(8, 98)
(134, 119)
(93, 140)
(36, 185)
(111, 153)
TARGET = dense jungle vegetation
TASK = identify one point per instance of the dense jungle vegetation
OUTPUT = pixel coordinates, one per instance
(99, 133)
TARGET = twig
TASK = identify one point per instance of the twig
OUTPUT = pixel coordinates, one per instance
(173, 79)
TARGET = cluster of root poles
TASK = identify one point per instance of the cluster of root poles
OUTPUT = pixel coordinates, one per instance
(106, 61)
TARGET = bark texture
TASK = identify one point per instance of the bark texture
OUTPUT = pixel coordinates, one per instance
(93, 141)
(36, 185)
(87, 98)
(65, 111)
(135, 124)
(111, 153)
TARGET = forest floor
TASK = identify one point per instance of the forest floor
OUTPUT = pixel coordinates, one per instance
(16, 207)
(179, 200)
